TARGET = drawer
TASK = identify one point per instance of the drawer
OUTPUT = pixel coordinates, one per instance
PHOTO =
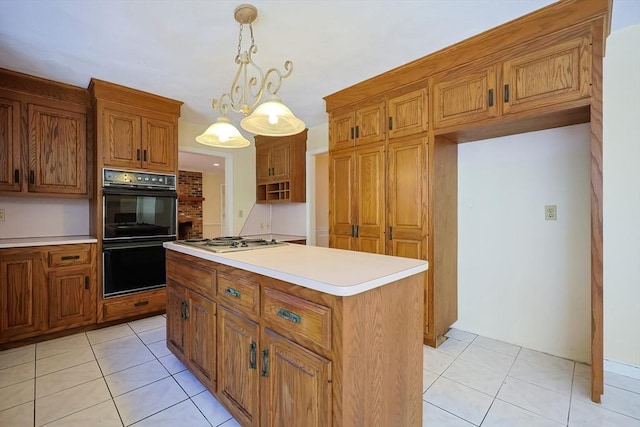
(290, 315)
(70, 255)
(133, 305)
(239, 293)
(193, 276)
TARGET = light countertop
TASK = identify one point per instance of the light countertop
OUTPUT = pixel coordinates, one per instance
(278, 237)
(333, 271)
(25, 242)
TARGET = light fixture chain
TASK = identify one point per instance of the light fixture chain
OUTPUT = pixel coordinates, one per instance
(240, 40)
(253, 42)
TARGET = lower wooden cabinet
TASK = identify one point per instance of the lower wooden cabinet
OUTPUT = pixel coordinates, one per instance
(289, 356)
(46, 289)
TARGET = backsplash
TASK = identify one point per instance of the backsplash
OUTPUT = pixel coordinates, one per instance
(43, 217)
(189, 205)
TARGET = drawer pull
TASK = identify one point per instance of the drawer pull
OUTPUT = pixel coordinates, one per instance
(70, 257)
(252, 355)
(289, 315)
(265, 363)
(141, 303)
(233, 292)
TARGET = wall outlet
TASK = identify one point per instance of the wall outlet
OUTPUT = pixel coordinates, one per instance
(1, 215)
(240, 213)
(550, 213)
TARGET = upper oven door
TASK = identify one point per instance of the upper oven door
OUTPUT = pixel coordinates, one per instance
(130, 214)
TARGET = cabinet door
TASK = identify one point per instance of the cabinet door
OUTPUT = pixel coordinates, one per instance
(280, 160)
(408, 114)
(10, 145)
(176, 300)
(57, 151)
(72, 297)
(407, 199)
(159, 145)
(201, 338)
(296, 387)
(342, 192)
(263, 164)
(370, 197)
(548, 76)
(122, 146)
(468, 98)
(370, 124)
(22, 296)
(341, 131)
(237, 366)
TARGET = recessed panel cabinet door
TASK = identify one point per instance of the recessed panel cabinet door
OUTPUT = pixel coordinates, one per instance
(408, 114)
(296, 384)
(280, 153)
(370, 211)
(176, 301)
(159, 149)
(72, 298)
(201, 338)
(237, 366)
(370, 124)
(263, 163)
(10, 144)
(57, 151)
(21, 294)
(407, 199)
(342, 130)
(122, 139)
(341, 171)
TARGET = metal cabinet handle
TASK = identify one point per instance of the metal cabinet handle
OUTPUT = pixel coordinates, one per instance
(86, 282)
(70, 257)
(182, 304)
(141, 303)
(16, 176)
(138, 154)
(357, 131)
(265, 363)
(233, 292)
(390, 123)
(390, 233)
(352, 132)
(506, 93)
(186, 310)
(32, 177)
(357, 231)
(490, 97)
(144, 155)
(289, 315)
(252, 355)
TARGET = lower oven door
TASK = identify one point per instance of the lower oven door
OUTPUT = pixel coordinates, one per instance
(132, 267)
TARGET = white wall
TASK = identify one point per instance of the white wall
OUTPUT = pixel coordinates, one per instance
(43, 217)
(322, 199)
(621, 180)
(522, 279)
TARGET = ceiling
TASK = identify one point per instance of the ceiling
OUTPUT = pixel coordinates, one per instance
(185, 49)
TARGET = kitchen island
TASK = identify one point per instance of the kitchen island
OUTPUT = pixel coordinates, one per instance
(301, 335)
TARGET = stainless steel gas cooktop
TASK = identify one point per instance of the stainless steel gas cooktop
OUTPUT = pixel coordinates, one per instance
(230, 244)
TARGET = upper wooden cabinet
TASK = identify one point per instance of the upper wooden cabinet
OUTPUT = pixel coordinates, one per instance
(281, 168)
(43, 138)
(135, 130)
(359, 126)
(556, 73)
(408, 113)
(468, 97)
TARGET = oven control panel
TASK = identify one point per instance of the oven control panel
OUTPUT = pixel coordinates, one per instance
(134, 179)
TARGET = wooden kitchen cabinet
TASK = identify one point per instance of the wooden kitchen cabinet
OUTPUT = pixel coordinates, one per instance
(46, 289)
(238, 376)
(408, 113)
(358, 204)
(10, 144)
(176, 297)
(281, 168)
(23, 300)
(361, 125)
(43, 135)
(135, 130)
(296, 384)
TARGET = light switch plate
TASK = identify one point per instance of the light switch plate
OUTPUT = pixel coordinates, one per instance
(1, 215)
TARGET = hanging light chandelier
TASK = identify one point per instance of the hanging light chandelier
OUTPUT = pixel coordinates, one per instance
(271, 118)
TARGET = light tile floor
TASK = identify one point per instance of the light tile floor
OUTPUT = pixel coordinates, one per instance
(124, 375)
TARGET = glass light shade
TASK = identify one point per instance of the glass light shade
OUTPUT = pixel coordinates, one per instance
(272, 118)
(223, 134)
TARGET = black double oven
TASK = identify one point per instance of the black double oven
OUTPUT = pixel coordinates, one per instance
(139, 215)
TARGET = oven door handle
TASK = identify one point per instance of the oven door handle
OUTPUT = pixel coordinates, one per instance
(150, 192)
(108, 248)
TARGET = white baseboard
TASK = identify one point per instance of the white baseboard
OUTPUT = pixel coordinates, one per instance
(625, 369)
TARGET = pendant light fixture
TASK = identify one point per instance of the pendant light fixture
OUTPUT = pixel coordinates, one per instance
(271, 118)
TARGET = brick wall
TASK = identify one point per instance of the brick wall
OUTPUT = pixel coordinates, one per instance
(189, 211)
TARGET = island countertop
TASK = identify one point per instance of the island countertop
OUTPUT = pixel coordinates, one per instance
(332, 271)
